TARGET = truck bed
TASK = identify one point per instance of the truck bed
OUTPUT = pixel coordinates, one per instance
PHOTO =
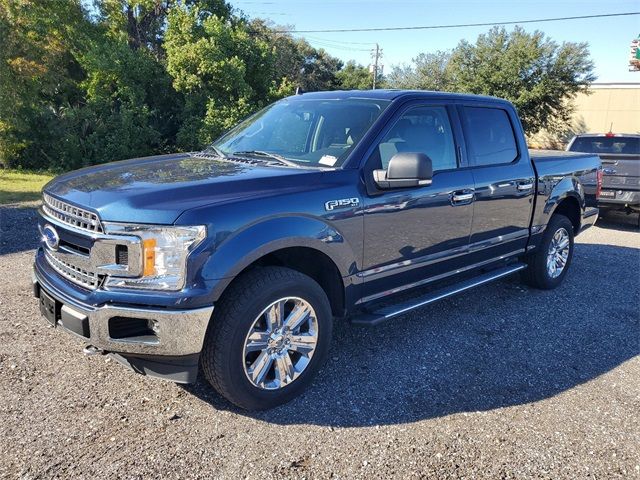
(542, 155)
(559, 162)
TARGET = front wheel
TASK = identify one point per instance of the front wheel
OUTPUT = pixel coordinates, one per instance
(269, 336)
(549, 264)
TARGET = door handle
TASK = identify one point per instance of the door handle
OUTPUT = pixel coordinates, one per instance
(463, 197)
(525, 186)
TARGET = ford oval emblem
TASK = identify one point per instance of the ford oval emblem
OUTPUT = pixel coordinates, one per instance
(50, 237)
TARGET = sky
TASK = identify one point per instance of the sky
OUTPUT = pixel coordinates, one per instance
(608, 38)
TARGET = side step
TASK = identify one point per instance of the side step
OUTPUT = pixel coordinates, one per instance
(387, 313)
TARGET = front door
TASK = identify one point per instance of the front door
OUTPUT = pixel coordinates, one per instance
(411, 234)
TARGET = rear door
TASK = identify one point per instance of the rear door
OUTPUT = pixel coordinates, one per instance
(504, 180)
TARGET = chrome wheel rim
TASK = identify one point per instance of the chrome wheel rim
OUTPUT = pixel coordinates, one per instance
(280, 343)
(558, 253)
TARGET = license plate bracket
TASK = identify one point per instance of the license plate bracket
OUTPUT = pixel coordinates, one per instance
(49, 308)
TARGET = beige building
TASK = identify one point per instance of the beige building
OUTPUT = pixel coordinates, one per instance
(614, 106)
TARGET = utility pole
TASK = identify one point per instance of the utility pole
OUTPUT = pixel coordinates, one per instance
(376, 56)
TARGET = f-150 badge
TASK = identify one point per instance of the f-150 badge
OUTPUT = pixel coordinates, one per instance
(341, 203)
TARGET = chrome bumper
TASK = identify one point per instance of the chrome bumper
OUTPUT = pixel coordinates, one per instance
(177, 332)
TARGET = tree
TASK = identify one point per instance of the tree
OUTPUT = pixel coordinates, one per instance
(76, 91)
(354, 77)
(429, 72)
(223, 72)
(535, 73)
(40, 76)
(296, 60)
(539, 76)
(138, 77)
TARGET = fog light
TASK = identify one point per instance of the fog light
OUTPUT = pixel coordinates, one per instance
(154, 326)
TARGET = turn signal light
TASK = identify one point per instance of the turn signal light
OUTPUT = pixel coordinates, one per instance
(149, 251)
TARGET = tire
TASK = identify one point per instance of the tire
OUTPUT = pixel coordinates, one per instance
(538, 274)
(228, 359)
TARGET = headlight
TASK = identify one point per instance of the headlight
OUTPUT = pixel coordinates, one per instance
(164, 254)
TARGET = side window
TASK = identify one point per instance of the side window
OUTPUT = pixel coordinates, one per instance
(421, 130)
(489, 136)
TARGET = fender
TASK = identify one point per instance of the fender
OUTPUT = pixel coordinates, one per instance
(242, 248)
(551, 194)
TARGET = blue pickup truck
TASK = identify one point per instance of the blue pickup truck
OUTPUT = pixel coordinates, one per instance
(321, 207)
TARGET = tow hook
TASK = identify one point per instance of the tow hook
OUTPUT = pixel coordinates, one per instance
(90, 351)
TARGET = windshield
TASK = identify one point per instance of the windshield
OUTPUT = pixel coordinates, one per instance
(308, 132)
(619, 145)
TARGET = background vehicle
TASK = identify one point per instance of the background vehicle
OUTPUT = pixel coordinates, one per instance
(321, 206)
(620, 156)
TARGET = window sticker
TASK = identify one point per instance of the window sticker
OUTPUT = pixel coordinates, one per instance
(328, 160)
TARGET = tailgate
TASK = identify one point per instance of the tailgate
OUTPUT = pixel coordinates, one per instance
(621, 172)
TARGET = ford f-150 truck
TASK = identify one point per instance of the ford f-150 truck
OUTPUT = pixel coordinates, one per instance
(620, 156)
(322, 206)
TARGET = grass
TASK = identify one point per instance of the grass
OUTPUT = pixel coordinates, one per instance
(21, 186)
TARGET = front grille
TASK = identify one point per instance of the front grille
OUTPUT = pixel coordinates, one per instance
(71, 215)
(81, 276)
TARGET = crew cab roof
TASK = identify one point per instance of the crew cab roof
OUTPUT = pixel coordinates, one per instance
(391, 94)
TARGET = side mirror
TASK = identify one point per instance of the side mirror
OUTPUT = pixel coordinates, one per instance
(405, 170)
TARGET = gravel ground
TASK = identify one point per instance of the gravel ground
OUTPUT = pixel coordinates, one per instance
(500, 382)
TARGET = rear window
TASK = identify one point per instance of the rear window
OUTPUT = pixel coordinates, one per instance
(489, 135)
(619, 145)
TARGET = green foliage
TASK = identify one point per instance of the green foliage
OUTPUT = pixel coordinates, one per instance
(539, 76)
(223, 72)
(354, 77)
(139, 77)
(39, 76)
(429, 72)
(294, 59)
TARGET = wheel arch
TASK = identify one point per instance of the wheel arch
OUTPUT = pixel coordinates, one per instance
(566, 197)
(308, 261)
(569, 206)
(307, 245)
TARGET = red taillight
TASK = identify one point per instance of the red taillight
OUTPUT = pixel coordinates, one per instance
(599, 183)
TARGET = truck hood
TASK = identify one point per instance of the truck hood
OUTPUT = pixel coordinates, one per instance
(159, 189)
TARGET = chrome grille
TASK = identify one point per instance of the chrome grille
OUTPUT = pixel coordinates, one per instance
(71, 215)
(79, 275)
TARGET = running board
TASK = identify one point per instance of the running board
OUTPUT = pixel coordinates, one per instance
(387, 313)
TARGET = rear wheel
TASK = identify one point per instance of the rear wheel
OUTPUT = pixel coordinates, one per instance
(549, 264)
(269, 336)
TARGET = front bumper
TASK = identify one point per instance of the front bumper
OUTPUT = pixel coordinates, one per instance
(176, 334)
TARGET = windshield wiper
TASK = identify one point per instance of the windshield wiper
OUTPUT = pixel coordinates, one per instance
(273, 156)
(215, 150)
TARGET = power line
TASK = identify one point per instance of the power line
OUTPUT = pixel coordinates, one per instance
(338, 47)
(461, 25)
(340, 42)
(282, 14)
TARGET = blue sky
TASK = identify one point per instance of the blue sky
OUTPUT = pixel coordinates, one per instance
(608, 38)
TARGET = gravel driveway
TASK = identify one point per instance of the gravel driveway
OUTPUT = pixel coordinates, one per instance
(500, 382)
